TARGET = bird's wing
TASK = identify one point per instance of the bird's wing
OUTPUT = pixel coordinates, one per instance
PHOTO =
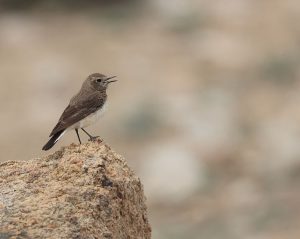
(76, 112)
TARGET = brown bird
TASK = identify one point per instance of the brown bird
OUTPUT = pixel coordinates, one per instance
(84, 109)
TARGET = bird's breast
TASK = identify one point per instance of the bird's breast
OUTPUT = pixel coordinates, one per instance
(90, 119)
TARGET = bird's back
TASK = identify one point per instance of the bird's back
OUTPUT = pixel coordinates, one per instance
(81, 105)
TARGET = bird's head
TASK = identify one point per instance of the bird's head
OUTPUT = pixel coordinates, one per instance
(100, 82)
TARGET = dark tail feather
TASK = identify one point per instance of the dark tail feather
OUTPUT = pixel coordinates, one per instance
(53, 140)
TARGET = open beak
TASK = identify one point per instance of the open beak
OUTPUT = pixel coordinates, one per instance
(110, 81)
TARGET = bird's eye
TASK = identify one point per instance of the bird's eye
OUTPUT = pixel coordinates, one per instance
(99, 80)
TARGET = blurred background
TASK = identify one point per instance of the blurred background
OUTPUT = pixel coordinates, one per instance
(206, 109)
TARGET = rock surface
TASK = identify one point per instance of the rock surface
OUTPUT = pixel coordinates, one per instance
(85, 191)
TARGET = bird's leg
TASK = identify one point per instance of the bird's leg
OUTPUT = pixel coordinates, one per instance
(78, 135)
(92, 138)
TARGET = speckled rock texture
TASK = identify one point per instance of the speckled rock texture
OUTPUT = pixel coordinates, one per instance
(81, 191)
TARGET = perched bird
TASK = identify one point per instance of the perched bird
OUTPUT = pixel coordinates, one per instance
(84, 109)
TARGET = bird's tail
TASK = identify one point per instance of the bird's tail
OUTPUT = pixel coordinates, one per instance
(53, 140)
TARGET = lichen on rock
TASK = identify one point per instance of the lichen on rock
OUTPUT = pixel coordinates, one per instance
(81, 191)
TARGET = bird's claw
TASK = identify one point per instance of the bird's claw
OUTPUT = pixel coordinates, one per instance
(94, 138)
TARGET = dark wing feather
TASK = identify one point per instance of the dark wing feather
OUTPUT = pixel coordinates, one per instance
(76, 112)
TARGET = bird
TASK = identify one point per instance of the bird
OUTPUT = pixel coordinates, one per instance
(84, 109)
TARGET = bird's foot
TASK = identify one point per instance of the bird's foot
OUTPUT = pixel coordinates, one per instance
(94, 138)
